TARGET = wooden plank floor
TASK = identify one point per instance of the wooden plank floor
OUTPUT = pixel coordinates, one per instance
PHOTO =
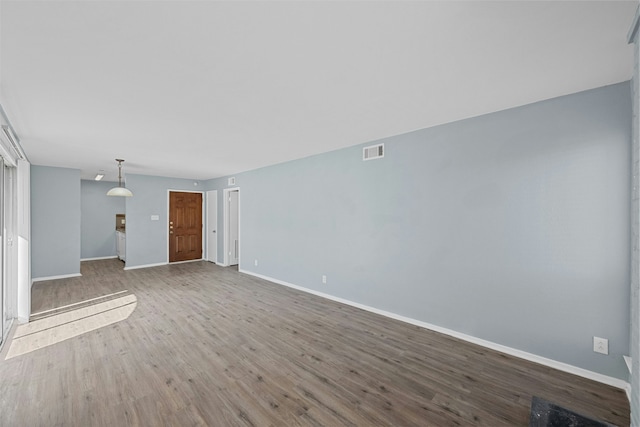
(209, 346)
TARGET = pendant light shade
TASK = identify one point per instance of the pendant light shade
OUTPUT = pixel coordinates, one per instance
(119, 190)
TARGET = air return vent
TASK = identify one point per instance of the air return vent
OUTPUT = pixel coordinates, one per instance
(373, 152)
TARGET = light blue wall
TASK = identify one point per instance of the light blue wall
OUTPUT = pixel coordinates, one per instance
(55, 221)
(512, 227)
(98, 219)
(146, 239)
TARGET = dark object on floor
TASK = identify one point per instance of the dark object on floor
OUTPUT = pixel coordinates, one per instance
(546, 414)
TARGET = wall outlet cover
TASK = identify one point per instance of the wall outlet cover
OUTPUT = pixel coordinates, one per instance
(601, 345)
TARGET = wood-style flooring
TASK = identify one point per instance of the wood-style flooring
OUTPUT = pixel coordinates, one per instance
(207, 345)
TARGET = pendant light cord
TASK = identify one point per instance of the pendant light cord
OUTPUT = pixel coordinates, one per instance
(119, 172)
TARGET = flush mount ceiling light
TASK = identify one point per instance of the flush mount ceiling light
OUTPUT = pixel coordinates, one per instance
(99, 175)
(120, 190)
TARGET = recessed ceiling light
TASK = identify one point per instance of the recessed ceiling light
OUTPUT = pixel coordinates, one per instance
(99, 176)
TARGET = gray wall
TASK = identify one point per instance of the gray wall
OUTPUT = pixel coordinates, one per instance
(98, 219)
(512, 227)
(146, 239)
(55, 221)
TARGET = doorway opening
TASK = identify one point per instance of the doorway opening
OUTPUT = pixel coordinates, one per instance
(8, 248)
(4, 320)
(231, 198)
(185, 226)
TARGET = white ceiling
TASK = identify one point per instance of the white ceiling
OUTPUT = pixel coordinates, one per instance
(205, 89)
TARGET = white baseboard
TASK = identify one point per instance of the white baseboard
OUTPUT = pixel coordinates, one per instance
(561, 366)
(135, 267)
(98, 258)
(183, 262)
(62, 276)
(10, 332)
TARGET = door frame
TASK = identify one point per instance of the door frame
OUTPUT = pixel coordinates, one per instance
(211, 194)
(10, 243)
(225, 216)
(4, 310)
(166, 228)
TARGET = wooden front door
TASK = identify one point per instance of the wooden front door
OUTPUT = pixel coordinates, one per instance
(185, 226)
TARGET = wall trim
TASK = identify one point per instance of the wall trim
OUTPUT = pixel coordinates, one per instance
(561, 366)
(5, 338)
(225, 225)
(184, 262)
(634, 27)
(209, 196)
(98, 258)
(135, 267)
(62, 276)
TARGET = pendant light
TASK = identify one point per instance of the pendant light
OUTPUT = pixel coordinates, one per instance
(119, 190)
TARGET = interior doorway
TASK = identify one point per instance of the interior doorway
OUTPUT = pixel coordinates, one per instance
(185, 226)
(8, 247)
(231, 197)
(3, 295)
(212, 226)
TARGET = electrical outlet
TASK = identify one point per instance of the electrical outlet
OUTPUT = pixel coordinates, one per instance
(324, 279)
(601, 345)
(255, 262)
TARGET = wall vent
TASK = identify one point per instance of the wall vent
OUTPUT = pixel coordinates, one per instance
(373, 152)
(231, 181)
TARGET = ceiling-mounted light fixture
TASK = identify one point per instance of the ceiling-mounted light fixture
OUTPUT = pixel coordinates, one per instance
(119, 190)
(99, 175)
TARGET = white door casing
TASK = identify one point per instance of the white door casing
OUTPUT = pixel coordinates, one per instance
(234, 231)
(226, 242)
(212, 226)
